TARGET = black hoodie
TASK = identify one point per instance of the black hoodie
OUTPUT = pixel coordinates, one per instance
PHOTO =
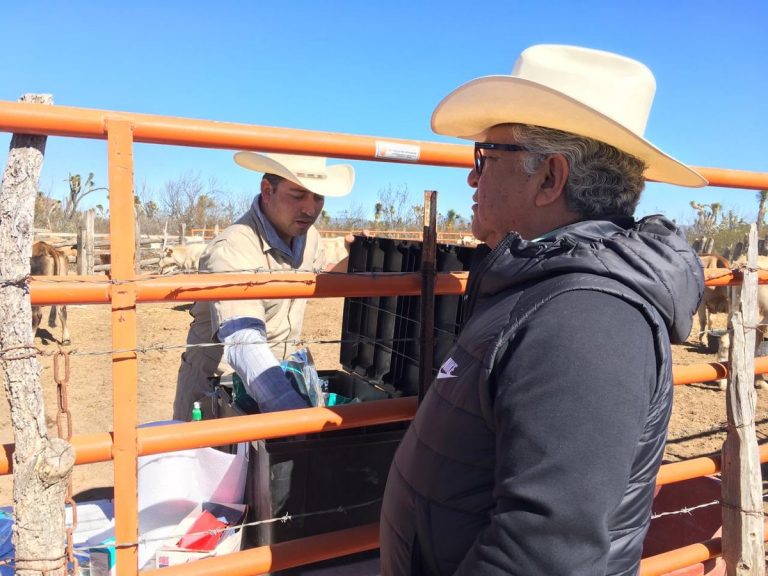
(537, 446)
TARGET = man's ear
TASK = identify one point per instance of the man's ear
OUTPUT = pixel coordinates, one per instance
(266, 188)
(555, 171)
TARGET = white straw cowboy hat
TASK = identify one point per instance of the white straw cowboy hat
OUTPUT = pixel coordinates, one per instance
(310, 172)
(587, 92)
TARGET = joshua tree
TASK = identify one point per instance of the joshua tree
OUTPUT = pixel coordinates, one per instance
(450, 219)
(77, 191)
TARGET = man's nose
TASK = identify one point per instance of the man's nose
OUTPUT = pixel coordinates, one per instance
(312, 205)
(472, 178)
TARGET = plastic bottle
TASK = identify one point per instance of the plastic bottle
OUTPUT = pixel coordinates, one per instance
(197, 414)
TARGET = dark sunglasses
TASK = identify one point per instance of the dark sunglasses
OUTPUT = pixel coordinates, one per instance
(480, 146)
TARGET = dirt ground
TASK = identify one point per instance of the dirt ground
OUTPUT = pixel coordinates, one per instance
(697, 427)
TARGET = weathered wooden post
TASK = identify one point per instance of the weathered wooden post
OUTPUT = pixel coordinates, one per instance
(41, 465)
(183, 237)
(427, 308)
(165, 238)
(743, 546)
(85, 243)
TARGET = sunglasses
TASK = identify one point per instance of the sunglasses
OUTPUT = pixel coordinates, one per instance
(480, 146)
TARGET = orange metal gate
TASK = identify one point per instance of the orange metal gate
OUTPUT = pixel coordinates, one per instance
(124, 290)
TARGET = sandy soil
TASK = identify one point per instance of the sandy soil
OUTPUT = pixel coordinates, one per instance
(697, 428)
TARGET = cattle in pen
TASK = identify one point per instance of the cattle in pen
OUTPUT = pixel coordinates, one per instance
(183, 257)
(715, 298)
(761, 326)
(336, 252)
(48, 261)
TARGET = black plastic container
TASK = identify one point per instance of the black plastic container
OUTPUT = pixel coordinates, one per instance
(331, 481)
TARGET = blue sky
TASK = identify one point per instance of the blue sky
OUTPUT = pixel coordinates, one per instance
(379, 69)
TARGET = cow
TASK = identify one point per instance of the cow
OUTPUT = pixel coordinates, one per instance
(336, 252)
(69, 252)
(185, 257)
(762, 322)
(715, 298)
(48, 261)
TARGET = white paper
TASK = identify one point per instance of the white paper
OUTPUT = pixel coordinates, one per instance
(171, 485)
(200, 475)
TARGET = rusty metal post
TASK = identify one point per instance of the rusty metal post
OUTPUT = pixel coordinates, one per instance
(428, 272)
(124, 359)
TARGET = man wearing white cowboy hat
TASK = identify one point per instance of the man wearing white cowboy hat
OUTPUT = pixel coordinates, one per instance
(277, 233)
(537, 446)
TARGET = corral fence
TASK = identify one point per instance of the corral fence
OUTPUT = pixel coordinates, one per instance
(124, 289)
(92, 252)
(732, 252)
(444, 237)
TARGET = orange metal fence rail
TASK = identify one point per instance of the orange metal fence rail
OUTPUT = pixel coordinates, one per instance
(27, 118)
(91, 448)
(46, 290)
(123, 291)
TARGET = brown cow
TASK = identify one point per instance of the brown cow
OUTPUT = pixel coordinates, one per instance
(48, 261)
(762, 321)
(715, 298)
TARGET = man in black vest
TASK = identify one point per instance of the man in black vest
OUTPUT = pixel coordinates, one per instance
(537, 447)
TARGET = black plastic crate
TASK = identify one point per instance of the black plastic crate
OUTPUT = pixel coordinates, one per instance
(335, 480)
(381, 334)
(323, 482)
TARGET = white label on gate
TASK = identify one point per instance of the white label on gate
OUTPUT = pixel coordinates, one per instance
(397, 151)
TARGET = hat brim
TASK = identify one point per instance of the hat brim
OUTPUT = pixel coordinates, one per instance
(337, 181)
(470, 110)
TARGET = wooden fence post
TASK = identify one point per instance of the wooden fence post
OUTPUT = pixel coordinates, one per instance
(427, 306)
(41, 465)
(165, 239)
(742, 496)
(85, 243)
(183, 237)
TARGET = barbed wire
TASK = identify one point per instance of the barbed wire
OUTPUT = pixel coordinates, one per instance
(716, 275)
(143, 277)
(687, 509)
(18, 281)
(361, 339)
(288, 517)
(284, 519)
(367, 305)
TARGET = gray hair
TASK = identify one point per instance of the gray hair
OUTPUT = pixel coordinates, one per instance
(603, 180)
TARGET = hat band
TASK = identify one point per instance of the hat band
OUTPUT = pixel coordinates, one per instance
(314, 175)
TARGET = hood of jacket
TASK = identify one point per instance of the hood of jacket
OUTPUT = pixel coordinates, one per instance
(650, 256)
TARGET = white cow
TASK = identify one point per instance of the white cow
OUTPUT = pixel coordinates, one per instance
(337, 252)
(185, 257)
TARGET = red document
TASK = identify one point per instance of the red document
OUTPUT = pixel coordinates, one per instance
(204, 534)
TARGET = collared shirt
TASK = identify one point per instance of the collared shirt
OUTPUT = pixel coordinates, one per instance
(252, 244)
(293, 253)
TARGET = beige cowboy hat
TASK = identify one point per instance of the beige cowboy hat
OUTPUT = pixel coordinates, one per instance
(310, 172)
(587, 92)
